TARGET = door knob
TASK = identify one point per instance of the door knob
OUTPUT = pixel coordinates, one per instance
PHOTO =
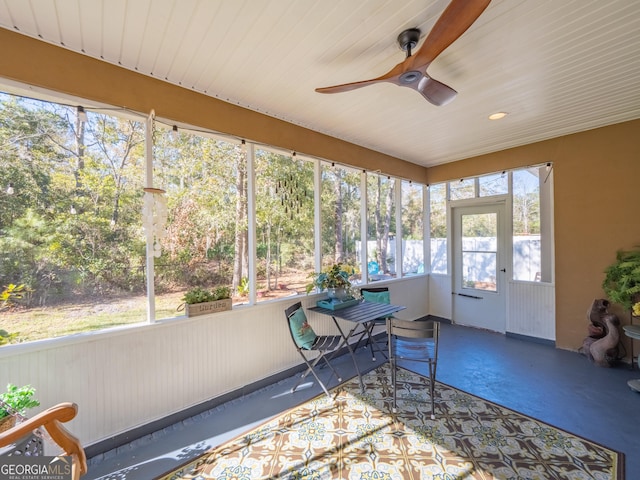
(503, 270)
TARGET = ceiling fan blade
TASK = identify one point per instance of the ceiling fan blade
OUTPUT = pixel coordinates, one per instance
(391, 76)
(454, 21)
(435, 92)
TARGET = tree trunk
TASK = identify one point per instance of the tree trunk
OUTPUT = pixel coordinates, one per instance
(241, 249)
(79, 151)
(386, 226)
(339, 243)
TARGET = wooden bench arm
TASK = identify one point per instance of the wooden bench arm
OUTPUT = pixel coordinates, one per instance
(52, 420)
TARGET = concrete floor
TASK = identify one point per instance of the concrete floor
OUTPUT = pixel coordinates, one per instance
(558, 387)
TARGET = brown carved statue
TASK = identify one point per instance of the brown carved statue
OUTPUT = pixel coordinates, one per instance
(602, 344)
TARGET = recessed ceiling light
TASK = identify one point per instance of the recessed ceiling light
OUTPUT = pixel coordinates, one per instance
(498, 115)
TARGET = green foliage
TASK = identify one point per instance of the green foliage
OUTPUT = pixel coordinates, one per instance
(243, 288)
(6, 337)
(11, 293)
(202, 295)
(335, 276)
(222, 292)
(20, 399)
(622, 278)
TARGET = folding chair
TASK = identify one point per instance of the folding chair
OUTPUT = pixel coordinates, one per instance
(413, 341)
(378, 295)
(305, 340)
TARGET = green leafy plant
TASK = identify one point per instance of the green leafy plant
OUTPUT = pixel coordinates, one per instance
(11, 293)
(622, 279)
(243, 288)
(7, 337)
(335, 276)
(18, 399)
(222, 292)
(201, 295)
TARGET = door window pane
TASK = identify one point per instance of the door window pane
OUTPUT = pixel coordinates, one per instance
(438, 227)
(479, 251)
(412, 229)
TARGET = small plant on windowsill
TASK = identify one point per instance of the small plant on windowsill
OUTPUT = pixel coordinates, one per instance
(334, 279)
(14, 403)
(199, 301)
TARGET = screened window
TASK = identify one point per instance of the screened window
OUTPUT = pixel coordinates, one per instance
(206, 242)
(381, 225)
(340, 215)
(438, 227)
(71, 237)
(412, 229)
(284, 223)
(527, 243)
(496, 184)
(462, 189)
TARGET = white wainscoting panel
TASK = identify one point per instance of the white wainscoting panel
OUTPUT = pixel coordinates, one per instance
(127, 377)
(440, 296)
(531, 310)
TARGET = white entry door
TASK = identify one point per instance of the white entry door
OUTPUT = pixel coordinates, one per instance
(479, 266)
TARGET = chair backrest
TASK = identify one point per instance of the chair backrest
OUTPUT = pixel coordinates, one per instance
(374, 289)
(301, 332)
(376, 294)
(413, 328)
(427, 330)
(287, 313)
(292, 309)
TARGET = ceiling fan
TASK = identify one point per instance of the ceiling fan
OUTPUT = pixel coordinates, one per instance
(412, 72)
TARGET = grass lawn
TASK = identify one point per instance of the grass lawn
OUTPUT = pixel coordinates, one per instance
(97, 313)
(48, 322)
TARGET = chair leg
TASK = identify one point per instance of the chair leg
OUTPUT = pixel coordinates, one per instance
(310, 367)
(432, 388)
(393, 383)
(332, 369)
(311, 370)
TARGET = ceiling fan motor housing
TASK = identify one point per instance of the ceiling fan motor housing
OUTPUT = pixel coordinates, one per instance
(408, 39)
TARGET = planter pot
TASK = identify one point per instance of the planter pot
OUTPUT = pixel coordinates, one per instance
(339, 293)
(7, 422)
(196, 309)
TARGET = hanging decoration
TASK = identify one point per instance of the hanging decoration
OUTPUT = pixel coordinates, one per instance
(292, 196)
(154, 218)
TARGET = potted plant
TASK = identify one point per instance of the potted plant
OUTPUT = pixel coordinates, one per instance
(15, 401)
(622, 280)
(334, 279)
(199, 301)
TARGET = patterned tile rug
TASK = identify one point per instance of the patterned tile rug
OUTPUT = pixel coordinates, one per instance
(357, 437)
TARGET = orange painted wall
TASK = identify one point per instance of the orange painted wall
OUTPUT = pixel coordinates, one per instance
(36, 63)
(596, 204)
(596, 172)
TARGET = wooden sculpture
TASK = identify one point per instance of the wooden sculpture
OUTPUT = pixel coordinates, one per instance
(602, 344)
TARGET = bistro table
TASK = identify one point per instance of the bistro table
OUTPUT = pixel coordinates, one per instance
(362, 315)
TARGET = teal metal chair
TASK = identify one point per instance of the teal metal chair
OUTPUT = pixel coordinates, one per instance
(378, 295)
(306, 341)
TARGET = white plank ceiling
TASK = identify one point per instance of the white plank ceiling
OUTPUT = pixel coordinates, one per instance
(556, 66)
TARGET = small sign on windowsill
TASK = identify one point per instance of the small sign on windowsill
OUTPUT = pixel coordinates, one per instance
(193, 310)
